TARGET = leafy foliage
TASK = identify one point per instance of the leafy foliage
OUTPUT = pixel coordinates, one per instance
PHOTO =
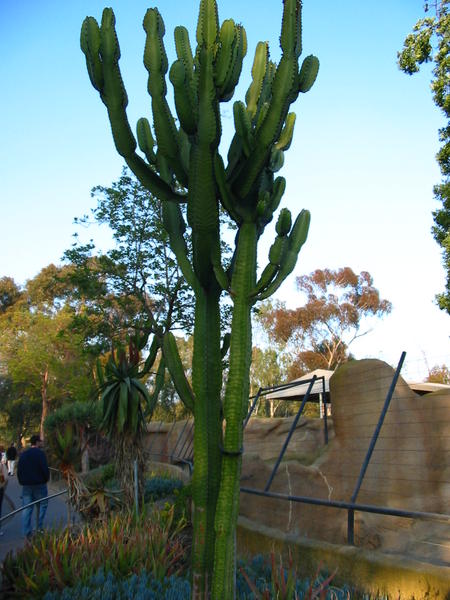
(136, 283)
(320, 331)
(160, 487)
(43, 359)
(430, 42)
(123, 545)
(439, 374)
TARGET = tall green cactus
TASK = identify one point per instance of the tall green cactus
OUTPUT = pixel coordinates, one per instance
(183, 165)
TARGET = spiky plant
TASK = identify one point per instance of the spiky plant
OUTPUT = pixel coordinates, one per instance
(181, 163)
(123, 399)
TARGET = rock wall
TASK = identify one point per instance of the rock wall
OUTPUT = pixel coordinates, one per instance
(409, 469)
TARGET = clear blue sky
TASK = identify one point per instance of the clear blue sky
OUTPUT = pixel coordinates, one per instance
(362, 159)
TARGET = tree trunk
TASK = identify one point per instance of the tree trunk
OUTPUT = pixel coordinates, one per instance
(44, 388)
(129, 449)
(85, 452)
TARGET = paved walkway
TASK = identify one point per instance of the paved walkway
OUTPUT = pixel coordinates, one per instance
(13, 537)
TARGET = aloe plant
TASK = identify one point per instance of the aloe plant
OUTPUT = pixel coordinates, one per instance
(123, 398)
(183, 164)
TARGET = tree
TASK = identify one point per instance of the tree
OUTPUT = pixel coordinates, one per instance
(136, 284)
(187, 169)
(320, 332)
(265, 371)
(20, 412)
(439, 374)
(42, 358)
(417, 50)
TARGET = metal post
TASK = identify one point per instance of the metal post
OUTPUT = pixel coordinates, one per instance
(136, 488)
(289, 435)
(186, 440)
(325, 416)
(252, 407)
(373, 441)
(178, 439)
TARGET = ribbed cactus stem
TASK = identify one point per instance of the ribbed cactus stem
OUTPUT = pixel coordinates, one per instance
(184, 165)
(235, 403)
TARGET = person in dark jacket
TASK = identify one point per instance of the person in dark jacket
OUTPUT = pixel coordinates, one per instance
(33, 474)
(11, 455)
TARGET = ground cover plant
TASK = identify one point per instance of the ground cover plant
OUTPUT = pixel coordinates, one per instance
(121, 545)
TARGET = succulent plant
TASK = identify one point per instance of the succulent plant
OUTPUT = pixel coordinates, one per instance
(183, 165)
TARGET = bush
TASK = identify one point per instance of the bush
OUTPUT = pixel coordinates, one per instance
(160, 487)
(98, 477)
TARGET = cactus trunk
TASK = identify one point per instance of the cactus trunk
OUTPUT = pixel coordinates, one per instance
(235, 405)
(207, 379)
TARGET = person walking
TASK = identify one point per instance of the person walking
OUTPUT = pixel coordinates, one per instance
(11, 455)
(33, 474)
(3, 484)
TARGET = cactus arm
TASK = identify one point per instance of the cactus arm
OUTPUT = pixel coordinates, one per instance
(239, 50)
(150, 360)
(175, 366)
(219, 271)
(285, 138)
(155, 184)
(102, 53)
(226, 197)
(258, 74)
(90, 45)
(207, 24)
(308, 73)
(284, 91)
(224, 56)
(243, 127)
(175, 227)
(296, 240)
(155, 61)
(145, 140)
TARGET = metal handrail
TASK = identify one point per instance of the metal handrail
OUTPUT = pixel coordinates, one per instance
(370, 508)
(17, 510)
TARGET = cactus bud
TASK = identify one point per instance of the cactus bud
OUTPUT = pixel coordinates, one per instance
(284, 222)
(308, 73)
(285, 138)
(145, 139)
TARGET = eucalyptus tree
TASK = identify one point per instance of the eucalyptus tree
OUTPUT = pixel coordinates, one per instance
(182, 166)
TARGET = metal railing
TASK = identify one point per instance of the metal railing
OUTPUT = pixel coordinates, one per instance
(21, 508)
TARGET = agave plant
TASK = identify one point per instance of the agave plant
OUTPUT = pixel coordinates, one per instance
(124, 399)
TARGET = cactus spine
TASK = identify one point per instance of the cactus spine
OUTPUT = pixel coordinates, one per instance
(185, 152)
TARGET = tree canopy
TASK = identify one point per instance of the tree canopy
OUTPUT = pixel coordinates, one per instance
(44, 361)
(430, 42)
(320, 331)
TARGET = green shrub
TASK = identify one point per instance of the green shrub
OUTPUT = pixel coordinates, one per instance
(122, 545)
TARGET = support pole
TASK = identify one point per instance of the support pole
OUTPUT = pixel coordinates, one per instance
(373, 441)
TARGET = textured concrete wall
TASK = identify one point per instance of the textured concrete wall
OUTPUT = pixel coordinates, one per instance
(410, 466)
